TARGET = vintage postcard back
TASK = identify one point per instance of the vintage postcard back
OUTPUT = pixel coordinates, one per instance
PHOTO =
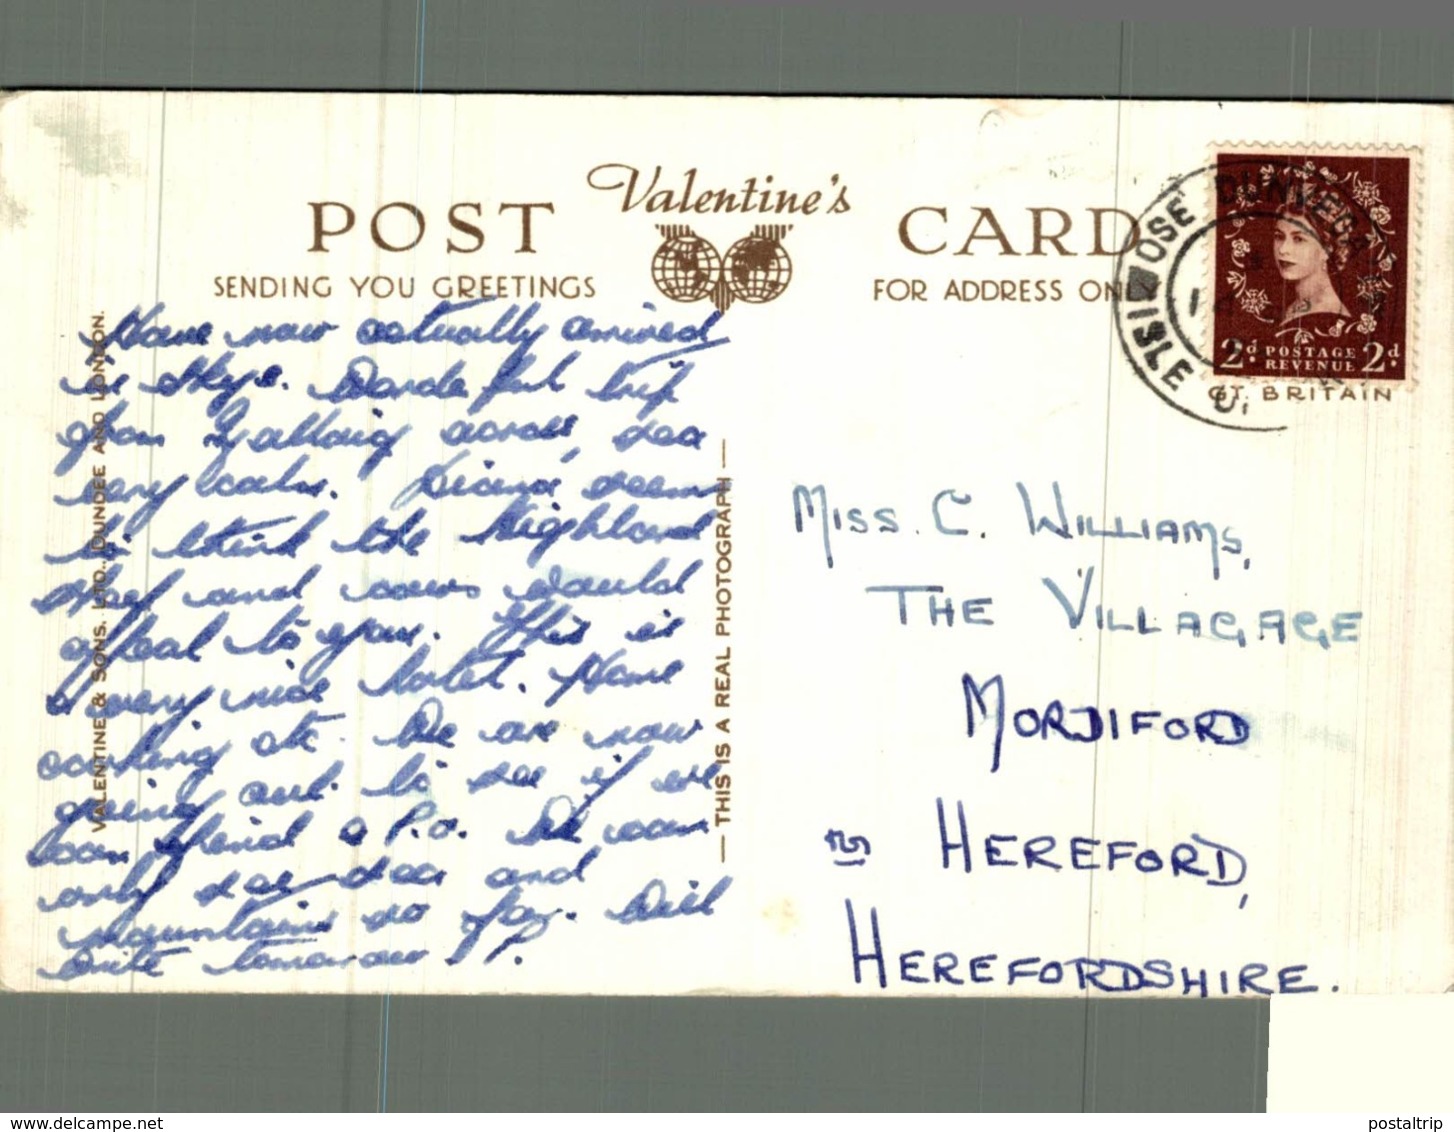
(757, 546)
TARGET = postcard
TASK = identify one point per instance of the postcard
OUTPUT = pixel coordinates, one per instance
(683, 545)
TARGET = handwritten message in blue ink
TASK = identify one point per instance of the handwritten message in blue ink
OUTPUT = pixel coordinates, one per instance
(388, 641)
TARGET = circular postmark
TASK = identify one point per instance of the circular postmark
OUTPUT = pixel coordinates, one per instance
(1270, 281)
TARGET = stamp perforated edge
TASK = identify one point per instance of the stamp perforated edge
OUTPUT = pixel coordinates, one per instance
(1414, 276)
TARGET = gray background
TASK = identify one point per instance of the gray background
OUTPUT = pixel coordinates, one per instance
(125, 1053)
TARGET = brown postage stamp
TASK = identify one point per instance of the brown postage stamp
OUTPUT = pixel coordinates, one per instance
(1312, 266)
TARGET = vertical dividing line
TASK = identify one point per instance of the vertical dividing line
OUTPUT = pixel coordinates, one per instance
(420, 27)
(156, 298)
(1087, 1091)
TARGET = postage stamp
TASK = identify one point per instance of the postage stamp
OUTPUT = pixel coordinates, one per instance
(1311, 265)
(1272, 278)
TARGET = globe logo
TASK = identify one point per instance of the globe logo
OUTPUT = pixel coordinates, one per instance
(685, 267)
(756, 269)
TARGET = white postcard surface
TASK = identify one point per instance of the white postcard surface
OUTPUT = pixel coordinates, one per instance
(477, 544)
